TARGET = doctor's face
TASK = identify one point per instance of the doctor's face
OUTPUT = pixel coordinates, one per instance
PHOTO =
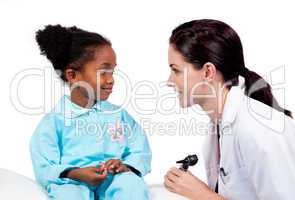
(185, 79)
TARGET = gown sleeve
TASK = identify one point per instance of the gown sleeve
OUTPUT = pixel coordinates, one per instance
(138, 153)
(46, 153)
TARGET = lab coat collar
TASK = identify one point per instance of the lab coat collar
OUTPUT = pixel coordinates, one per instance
(232, 103)
(71, 110)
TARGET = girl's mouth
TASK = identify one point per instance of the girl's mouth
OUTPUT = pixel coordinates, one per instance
(107, 89)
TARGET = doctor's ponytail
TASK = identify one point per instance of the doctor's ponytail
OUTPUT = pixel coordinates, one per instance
(257, 88)
(206, 40)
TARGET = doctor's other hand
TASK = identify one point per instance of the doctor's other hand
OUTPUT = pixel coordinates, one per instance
(115, 166)
(90, 175)
(188, 185)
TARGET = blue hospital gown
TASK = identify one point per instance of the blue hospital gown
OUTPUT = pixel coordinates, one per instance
(72, 136)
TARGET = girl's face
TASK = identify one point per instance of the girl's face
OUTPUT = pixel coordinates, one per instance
(98, 73)
(185, 79)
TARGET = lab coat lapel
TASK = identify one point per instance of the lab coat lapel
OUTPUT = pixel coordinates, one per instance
(211, 156)
(214, 151)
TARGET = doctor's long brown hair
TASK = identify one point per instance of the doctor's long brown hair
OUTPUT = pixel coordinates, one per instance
(207, 40)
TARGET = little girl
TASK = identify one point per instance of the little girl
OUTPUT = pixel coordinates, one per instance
(87, 148)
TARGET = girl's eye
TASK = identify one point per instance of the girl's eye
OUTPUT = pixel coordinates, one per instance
(105, 72)
(110, 72)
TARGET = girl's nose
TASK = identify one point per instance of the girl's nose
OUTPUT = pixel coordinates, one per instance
(110, 80)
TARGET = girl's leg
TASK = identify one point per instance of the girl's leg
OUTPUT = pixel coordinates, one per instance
(124, 186)
(70, 192)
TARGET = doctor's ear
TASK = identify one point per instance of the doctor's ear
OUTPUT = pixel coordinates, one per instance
(209, 71)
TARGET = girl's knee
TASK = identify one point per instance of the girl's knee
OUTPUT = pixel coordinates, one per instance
(70, 191)
(129, 178)
(125, 186)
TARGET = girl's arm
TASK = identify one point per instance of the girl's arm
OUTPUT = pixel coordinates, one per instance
(45, 152)
(138, 153)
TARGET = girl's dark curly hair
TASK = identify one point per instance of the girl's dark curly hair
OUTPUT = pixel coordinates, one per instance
(68, 47)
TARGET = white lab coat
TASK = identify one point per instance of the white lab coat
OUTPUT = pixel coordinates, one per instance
(257, 151)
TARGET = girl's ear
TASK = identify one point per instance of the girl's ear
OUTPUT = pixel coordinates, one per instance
(71, 75)
(210, 71)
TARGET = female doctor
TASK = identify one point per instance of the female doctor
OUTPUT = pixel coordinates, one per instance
(250, 151)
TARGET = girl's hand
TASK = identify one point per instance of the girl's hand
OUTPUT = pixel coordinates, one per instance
(187, 185)
(90, 175)
(115, 166)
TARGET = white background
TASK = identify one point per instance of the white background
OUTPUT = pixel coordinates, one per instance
(139, 31)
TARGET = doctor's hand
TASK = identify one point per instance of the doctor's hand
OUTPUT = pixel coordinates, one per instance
(188, 185)
(115, 166)
(90, 175)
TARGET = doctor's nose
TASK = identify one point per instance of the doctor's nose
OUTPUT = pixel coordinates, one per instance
(170, 82)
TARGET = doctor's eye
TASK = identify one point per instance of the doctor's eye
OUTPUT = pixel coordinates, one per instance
(175, 71)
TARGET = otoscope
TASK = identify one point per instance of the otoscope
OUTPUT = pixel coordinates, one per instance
(190, 160)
